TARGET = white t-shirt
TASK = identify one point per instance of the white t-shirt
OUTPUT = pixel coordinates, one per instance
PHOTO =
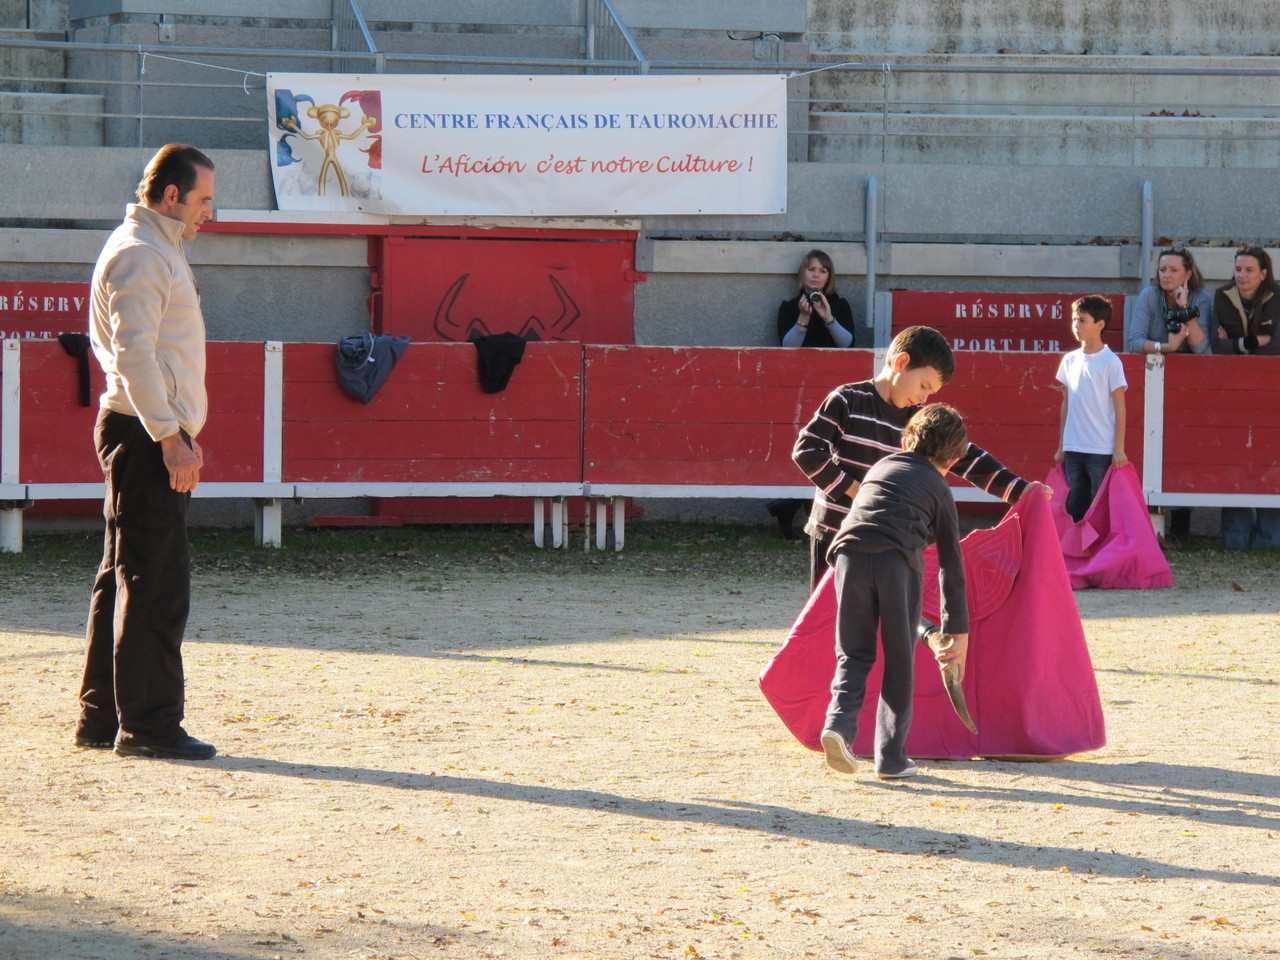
(1090, 379)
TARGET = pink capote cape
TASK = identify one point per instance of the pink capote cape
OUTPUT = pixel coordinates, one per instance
(1029, 681)
(1113, 546)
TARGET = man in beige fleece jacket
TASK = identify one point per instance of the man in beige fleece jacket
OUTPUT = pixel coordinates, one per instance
(148, 335)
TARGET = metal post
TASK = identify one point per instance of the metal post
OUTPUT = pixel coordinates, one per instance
(1153, 425)
(539, 528)
(10, 383)
(268, 519)
(1148, 232)
(871, 229)
(10, 529)
(1153, 435)
(619, 522)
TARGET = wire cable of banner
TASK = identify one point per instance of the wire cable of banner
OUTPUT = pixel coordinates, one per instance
(246, 74)
(886, 67)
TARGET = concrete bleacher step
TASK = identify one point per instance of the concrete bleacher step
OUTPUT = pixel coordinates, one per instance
(33, 14)
(1189, 28)
(867, 137)
(1143, 84)
(51, 119)
(32, 69)
(1116, 110)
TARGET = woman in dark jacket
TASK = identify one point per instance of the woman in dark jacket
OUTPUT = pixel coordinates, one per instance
(816, 316)
(1246, 311)
(1247, 308)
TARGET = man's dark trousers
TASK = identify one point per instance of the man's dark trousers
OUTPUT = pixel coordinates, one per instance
(133, 680)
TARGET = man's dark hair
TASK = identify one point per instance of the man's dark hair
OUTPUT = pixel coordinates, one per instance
(927, 348)
(1096, 306)
(936, 431)
(174, 163)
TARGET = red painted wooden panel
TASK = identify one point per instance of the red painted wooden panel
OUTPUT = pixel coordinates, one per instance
(42, 310)
(1011, 405)
(992, 321)
(56, 434)
(431, 422)
(1222, 434)
(705, 415)
(443, 288)
(232, 434)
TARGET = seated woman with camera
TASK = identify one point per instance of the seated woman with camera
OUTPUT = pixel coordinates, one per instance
(816, 316)
(1175, 315)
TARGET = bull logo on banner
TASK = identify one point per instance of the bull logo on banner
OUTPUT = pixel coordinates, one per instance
(329, 133)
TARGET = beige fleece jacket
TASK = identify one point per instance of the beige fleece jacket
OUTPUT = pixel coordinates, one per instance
(146, 327)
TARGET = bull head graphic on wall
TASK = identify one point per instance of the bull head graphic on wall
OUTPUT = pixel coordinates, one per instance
(450, 326)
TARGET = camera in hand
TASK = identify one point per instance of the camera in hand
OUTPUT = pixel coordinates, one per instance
(1174, 319)
(813, 296)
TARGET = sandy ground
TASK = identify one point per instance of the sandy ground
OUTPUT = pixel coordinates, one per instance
(577, 764)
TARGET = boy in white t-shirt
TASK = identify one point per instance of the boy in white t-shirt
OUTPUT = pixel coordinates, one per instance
(1092, 423)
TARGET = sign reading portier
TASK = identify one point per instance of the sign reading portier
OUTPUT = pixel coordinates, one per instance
(528, 146)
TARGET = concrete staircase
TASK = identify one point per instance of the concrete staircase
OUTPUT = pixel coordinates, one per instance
(975, 82)
(1119, 111)
(37, 105)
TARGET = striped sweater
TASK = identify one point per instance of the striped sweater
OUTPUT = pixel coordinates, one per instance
(854, 428)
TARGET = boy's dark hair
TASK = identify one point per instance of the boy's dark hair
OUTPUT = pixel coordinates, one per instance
(174, 163)
(927, 348)
(936, 431)
(1096, 306)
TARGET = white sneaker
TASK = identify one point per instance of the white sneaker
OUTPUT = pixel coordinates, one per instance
(837, 750)
(910, 770)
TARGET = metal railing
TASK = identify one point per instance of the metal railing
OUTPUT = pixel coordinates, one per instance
(606, 38)
(350, 32)
(848, 112)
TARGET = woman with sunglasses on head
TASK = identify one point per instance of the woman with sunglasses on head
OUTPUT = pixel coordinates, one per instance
(1174, 314)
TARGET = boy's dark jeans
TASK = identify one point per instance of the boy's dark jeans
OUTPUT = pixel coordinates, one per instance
(875, 591)
(1245, 528)
(1085, 472)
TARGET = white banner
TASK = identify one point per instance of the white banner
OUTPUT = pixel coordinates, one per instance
(528, 146)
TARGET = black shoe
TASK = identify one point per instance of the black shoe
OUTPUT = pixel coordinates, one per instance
(184, 748)
(92, 744)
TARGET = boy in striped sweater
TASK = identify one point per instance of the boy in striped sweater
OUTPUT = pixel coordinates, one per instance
(859, 423)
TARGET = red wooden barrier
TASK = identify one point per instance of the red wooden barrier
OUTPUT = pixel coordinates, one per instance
(42, 309)
(431, 422)
(993, 321)
(56, 432)
(1221, 430)
(628, 416)
(1012, 407)
(704, 415)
